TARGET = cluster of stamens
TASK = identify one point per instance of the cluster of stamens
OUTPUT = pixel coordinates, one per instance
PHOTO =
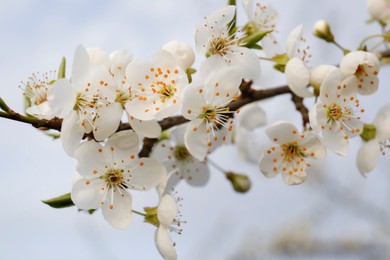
(37, 86)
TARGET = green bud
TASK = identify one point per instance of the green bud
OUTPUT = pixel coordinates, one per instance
(63, 201)
(241, 183)
(254, 38)
(369, 132)
(62, 69)
(322, 31)
(189, 73)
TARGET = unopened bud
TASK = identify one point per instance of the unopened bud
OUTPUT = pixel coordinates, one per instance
(318, 74)
(241, 183)
(182, 51)
(322, 31)
(369, 132)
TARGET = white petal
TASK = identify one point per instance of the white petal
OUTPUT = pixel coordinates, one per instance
(163, 58)
(246, 62)
(319, 73)
(298, 77)
(251, 116)
(270, 162)
(182, 51)
(313, 144)
(292, 40)
(81, 66)
(144, 174)
(177, 134)
(367, 156)
(98, 56)
(117, 209)
(167, 210)
(221, 17)
(121, 148)
(317, 117)
(193, 100)
(71, 132)
(90, 160)
(195, 139)
(295, 178)
(328, 93)
(41, 111)
(196, 173)
(271, 46)
(335, 141)
(61, 98)
(150, 128)
(107, 120)
(88, 194)
(248, 7)
(282, 132)
(164, 244)
(382, 123)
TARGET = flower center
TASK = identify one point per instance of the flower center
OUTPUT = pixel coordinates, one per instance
(181, 153)
(220, 46)
(213, 115)
(291, 151)
(122, 97)
(360, 71)
(334, 113)
(114, 178)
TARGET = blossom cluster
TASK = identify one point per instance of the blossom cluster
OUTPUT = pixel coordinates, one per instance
(112, 102)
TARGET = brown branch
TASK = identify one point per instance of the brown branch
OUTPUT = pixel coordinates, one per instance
(248, 95)
(298, 102)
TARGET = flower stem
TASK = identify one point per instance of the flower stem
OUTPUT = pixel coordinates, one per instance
(345, 51)
(369, 38)
(4, 106)
(139, 213)
(216, 166)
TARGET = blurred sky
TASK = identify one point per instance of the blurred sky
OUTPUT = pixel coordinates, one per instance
(34, 37)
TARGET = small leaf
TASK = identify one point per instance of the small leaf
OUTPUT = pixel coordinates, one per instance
(253, 39)
(62, 69)
(63, 201)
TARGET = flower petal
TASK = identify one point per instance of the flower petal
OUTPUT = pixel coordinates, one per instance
(251, 116)
(81, 66)
(167, 210)
(292, 41)
(298, 77)
(367, 156)
(147, 128)
(71, 132)
(121, 148)
(117, 208)
(195, 139)
(270, 162)
(88, 194)
(335, 141)
(144, 174)
(164, 244)
(313, 144)
(382, 123)
(282, 132)
(90, 160)
(107, 120)
(61, 97)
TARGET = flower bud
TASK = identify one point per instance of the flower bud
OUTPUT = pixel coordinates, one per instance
(182, 51)
(379, 10)
(322, 30)
(318, 74)
(241, 183)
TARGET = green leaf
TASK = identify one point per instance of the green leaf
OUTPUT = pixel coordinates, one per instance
(62, 69)
(253, 39)
(63, 201)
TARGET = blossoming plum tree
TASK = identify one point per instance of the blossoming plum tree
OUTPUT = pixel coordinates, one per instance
(176, 117)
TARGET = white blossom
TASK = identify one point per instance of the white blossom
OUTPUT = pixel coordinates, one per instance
(368, 153)
(364, 66)
(224, 50)
(336, 114)
(175, 156)
(289, 156)
(182, 51)
(109, 171)
(379, 10)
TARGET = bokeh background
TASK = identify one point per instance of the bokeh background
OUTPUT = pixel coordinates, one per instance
(336, 214)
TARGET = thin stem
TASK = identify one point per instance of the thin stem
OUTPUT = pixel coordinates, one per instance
(345, 51)
(265, 58)
(139, 213)
(216, 166)
(368, 38)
